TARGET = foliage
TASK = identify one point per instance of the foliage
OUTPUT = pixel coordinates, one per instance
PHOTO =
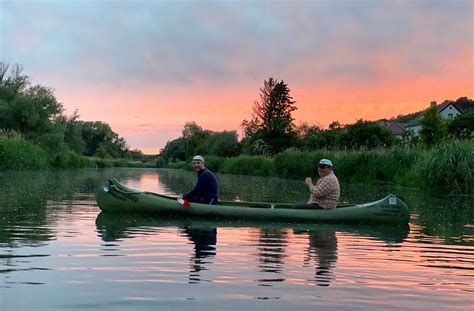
(73, 133)
(135, 154)
(20, 154)
(223, 144)
(174, 150)
(464, 104)
(365, 134)
(451, 166)
(462, 126)
(101, 140)
(70, 159)
(271, 118)
(256, 147)
(33, 112)
(433, 127)
(248, 165)
(410, 139)
(10, 134)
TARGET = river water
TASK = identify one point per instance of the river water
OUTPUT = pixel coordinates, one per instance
(59, 252)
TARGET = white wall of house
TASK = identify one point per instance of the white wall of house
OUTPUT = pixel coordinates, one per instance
(449, 112)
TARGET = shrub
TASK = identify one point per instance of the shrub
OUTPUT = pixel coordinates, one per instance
(19, 154)
(248, 165)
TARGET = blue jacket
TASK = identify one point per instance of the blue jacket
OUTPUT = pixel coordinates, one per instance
(205, 190)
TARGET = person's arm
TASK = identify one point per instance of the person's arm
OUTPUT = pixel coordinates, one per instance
(201, 182)
(321, 189)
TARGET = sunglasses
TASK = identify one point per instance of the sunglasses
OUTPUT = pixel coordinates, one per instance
(323, 166)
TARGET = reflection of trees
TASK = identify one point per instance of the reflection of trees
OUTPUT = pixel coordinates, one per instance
(26, 196)
(204, 240)
(444, 217)
(271, 252)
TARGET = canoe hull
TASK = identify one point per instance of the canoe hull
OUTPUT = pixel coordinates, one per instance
(115, 197)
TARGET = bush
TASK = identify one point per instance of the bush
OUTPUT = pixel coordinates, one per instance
(19, 154)
(248, 165)
(70, 160)
(214, 163)
(102, 163)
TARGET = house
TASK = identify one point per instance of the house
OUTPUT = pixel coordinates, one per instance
(396, 128)
(447, 110)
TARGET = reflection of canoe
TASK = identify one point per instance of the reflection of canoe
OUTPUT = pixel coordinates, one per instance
(116, 197)
(113, 226)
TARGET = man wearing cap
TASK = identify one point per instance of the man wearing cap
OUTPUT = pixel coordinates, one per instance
(325, 194)
(206, 188)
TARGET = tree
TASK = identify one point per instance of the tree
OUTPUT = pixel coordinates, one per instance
(271, 118)
(73, 133)
(433, 128)
(174, 150)
(365, 134)
(223, 144)
(195, 139)
(462, 126)
(99, 137)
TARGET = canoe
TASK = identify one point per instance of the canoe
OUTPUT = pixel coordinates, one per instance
(115, 197)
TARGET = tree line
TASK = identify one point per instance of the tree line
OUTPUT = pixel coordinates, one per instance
(271, 130)
(32, 112)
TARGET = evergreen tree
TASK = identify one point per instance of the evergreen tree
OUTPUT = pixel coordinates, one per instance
(271, 119)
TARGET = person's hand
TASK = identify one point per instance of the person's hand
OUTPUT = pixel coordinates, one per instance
(308, 181)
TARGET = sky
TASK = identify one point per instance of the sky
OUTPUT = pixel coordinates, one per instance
(148, 67)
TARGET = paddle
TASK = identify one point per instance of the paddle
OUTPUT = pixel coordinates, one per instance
(184, 203)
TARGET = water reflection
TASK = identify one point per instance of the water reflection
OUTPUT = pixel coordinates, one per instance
(273, 240)
(322, 249)
(272, 243)
(204, 241)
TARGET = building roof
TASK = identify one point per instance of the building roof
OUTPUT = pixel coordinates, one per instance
(396, 128)
(446, 104)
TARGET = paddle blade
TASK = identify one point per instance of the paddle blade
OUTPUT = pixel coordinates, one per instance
(184, 203)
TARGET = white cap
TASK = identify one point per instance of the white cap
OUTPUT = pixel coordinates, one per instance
(325, 162)
(198, 158)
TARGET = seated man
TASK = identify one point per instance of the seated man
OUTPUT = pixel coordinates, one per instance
(206, 188)
(325, 194)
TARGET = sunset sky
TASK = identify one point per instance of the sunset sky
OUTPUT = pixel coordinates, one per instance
(148, 67)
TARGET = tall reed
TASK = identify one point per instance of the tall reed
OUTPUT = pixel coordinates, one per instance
(450, 166)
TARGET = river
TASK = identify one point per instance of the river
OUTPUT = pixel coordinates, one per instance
(59, 252)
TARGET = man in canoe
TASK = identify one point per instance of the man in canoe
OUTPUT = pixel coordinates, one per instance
(325, 194)
(206, 188)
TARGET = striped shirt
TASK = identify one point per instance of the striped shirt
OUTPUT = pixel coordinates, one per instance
(326, 192)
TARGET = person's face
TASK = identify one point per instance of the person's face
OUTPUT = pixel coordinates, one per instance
(324, 170)
(198, 165)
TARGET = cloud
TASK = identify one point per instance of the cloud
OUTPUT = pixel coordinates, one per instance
(180, 42)
(151, 66)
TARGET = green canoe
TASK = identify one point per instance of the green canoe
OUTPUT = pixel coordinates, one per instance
(115, 197)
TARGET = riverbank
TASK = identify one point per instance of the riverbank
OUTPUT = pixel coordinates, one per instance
(21, 154)
(447, 167)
